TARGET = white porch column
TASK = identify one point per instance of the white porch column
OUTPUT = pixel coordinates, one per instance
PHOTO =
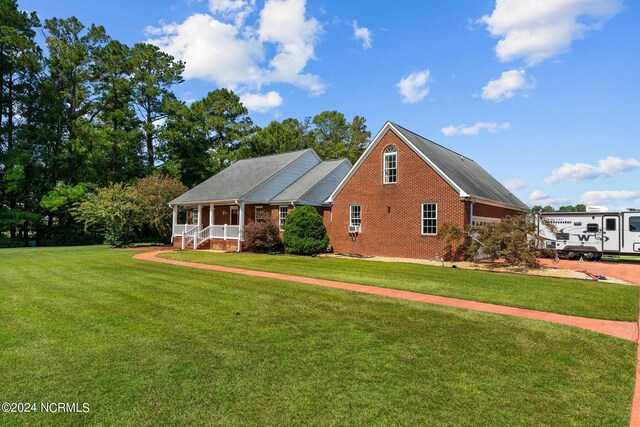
(174, 222)
(240, 226)
(211, 217)
(199, 216)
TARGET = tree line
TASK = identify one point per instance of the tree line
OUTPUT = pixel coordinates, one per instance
(568, 208)
(92, 112)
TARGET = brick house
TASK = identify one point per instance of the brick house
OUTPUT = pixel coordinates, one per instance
(402, 189)
(390, 203)
(212, 214)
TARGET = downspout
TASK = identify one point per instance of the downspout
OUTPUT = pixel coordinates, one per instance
(471, 202)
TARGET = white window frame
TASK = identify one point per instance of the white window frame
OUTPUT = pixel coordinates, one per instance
(352, 218)
(423, 219)
(194, 216)
(386, 168)
(256, 217)
(281, 219)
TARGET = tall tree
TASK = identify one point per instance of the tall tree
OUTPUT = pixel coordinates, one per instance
(330, 134)
(120, 127)
(154, 74)
(19, 64)
(206, 137)
(334, 137)
(359, 138)
(280, 137)
(72, 49)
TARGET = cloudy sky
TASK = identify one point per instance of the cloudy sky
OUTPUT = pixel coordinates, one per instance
(544, 94)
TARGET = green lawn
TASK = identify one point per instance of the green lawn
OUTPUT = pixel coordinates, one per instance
(630, 258)
(151, 344)
(575, 297)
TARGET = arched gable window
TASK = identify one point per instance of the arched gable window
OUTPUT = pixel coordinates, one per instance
(390, 165)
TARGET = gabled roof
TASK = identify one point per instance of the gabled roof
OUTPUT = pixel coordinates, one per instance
(467, 177)
(239, 179)
(467, 174)
(302, 191)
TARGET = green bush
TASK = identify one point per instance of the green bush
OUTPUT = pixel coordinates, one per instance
(6, 242)
(304, 232)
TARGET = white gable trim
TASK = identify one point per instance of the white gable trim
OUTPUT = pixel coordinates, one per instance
(389, 126)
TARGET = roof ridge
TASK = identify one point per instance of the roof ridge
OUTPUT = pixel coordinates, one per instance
(274, 154)
(435, 143)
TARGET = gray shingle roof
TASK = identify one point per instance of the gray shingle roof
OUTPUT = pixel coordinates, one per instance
(238, 179)
(463, 171)
(296, 192)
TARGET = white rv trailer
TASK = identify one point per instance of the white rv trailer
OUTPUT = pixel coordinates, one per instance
(593, 233)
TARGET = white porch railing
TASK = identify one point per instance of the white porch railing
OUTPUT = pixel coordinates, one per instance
(202, 235)
(232, 232)
(179, 229)
(191, 233)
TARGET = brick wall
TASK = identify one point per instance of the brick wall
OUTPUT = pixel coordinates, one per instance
(480, 209)
(392, 213)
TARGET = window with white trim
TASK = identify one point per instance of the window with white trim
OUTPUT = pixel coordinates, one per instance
(283, 211)
(355, 217)
(194, 216)
(390, 165)
(259, 214)
(429, 218)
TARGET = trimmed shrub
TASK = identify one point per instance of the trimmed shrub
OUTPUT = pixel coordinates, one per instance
(6, 242)
(262, 236)
(304, 232)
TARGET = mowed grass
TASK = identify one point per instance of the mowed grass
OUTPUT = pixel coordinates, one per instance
(151, 344)
(574, 297)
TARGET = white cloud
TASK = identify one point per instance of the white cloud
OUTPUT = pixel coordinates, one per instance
(212, 50)
(600, 197)
(608, 166)
(233, 10)
(413, 87)
(506, 86)
(283, 23)
(515, 184)
(536, 30)
(261, 103)
(362, 33)
(538, 195)
(474, 130)
(235, 55)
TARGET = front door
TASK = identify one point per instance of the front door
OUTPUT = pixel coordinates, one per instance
(610, 234)
(234, 216)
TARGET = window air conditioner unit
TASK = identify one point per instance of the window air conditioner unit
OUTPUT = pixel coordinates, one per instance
(354, 229)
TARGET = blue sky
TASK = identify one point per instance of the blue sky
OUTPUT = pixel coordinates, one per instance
(544, 94)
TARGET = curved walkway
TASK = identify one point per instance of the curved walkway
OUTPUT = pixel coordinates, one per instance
(619, 329)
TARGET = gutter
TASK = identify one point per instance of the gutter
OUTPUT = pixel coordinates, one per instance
(475, 199)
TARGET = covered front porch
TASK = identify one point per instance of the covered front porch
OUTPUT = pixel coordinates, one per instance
(213, 225)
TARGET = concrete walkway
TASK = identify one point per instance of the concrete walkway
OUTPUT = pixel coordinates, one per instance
(619, 329)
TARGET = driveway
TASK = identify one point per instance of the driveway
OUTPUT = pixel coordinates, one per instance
(625, 271)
